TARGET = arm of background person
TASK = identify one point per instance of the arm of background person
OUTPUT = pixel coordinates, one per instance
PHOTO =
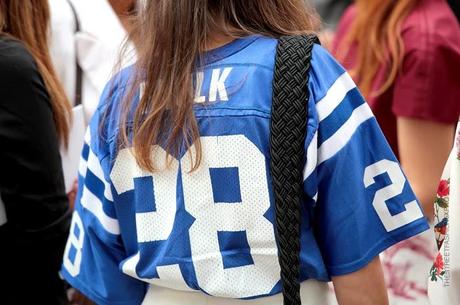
(426, 102)
(31, 173)
(424, 147)
(78, 298)
(31, 182)
(363, 287)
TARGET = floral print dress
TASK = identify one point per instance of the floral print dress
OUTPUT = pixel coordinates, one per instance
(444, 277)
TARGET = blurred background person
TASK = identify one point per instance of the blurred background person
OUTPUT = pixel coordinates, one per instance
(455, 5)
(125, 9)
(405, 57)
(34, 119)
(330, 11)
(444, 282)
(87, 35)
(87, 38)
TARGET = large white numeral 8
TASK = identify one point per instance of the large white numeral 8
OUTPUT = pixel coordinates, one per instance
(247, 215)
(74, 242)
(390, 222)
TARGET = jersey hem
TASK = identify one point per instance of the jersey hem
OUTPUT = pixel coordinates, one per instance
(416, 228)
(92, 295)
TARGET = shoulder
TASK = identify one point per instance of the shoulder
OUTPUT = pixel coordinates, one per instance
(324, 73)
(115, 90)
(22, 85)
(334, 97)
(428, 85)
(105, 121)
(251, 51)
(345, 22)
(348, 16)
(431, 26)
(16, 63)
(324, 70)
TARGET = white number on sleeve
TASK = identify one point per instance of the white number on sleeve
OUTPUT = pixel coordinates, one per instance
(390, 222)
(74, 242)
(247, 215)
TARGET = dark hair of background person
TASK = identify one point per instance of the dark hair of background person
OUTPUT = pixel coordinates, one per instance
(379, 42)
(169, 37)
(28, 21)
(331, 11)
(455, 6)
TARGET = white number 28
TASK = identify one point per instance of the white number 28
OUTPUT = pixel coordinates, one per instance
(245, 215)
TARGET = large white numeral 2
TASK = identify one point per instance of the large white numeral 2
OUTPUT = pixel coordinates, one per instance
(247, 215)
(150, 226)
(390, 222)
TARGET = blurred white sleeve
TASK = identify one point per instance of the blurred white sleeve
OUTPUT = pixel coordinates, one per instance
(62, 45)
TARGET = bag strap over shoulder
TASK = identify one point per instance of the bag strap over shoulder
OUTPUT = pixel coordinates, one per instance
(288, 131)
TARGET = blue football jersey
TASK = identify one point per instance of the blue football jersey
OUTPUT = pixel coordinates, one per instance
(212, 230)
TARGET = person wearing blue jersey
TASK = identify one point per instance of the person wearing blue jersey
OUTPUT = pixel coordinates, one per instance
(175, 203)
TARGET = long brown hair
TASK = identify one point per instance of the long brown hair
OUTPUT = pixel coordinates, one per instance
(376, 30)
(169, 37)
(28, 21)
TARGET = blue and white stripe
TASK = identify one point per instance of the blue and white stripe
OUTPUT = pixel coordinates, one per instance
(342, 103)
(96, 194)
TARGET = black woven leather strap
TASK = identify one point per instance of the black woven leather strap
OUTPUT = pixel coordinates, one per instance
(287, 138)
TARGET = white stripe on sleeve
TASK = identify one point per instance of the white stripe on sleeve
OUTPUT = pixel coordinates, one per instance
(335, 95)
(341, 137)
(88, 136)
(94, 205)
(82, 167)
(83, 164)
(312, 152)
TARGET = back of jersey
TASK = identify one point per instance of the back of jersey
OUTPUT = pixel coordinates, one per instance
(212, 229)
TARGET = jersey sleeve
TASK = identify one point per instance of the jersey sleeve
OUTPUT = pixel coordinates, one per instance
(362, 201)
(95, 250)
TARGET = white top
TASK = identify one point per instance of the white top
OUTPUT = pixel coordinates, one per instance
(96, 46)
(63, 44)
(444, 280)
(311, 293)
